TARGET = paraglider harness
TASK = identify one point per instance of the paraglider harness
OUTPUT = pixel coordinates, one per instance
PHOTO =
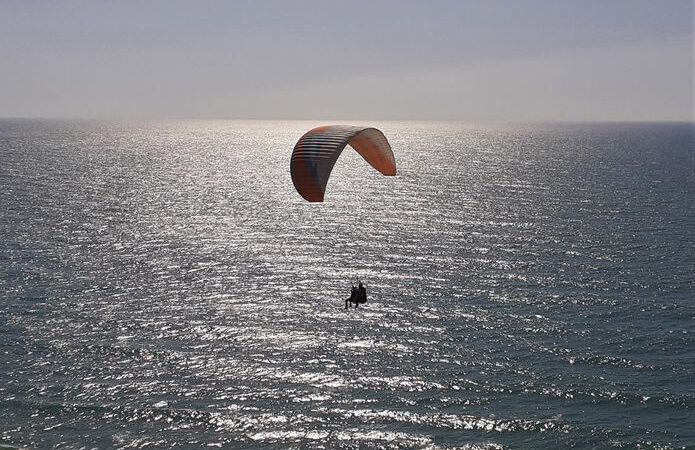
(357, 296)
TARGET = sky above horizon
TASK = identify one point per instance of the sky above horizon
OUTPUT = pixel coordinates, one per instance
(472, 60)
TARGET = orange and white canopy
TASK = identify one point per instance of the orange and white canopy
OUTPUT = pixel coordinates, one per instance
(316, 152)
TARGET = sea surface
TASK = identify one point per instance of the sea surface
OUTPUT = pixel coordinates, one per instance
(162, 285)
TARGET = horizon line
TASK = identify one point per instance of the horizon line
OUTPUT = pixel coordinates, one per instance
(252, 119)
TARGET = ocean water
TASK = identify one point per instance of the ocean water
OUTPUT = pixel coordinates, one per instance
(162, 285)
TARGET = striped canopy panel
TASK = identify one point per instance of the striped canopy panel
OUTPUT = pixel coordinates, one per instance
(316, 152)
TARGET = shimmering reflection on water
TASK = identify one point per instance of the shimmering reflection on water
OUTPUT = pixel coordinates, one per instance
(163, 285)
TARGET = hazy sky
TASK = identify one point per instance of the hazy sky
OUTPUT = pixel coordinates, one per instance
(466, 60)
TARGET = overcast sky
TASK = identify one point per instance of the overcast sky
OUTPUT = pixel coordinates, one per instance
(514, 60)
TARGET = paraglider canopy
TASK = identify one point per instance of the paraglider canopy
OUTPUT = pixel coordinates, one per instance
(316, 152)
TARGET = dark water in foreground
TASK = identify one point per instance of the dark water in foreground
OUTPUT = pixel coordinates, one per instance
(162, 285)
